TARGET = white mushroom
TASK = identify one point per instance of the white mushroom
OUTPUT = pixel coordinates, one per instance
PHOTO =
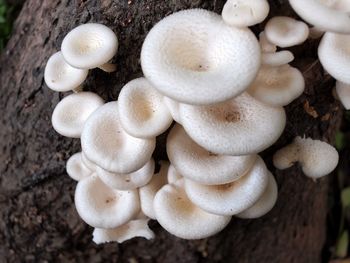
(103, 207)
(173, 107)
(277, 86)
(134, 228)
(129, 181)
(142, 111)
(148, 191)
(316, 158)
(276, 59)
(60, 76)
(265, 203)
(343, 93)
(71, 113)
(89, 46)
(285, 31)
(179, 216)
(194, 162)
(240, 126)
(231, 198)
(244, 13)
(90, 165)
(76, 169)
(173, 175)
(265, 44)
(334, 55)
(105, 142)
(324, 14)
(193, 57)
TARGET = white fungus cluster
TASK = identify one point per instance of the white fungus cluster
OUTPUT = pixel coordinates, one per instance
(226, 91)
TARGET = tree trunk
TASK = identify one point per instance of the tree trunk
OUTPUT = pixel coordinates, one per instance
(38, 221)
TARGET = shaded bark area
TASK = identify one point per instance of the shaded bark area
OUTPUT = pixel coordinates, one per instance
(38, 221)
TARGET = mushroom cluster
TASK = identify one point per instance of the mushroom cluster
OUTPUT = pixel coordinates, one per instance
(223, 87)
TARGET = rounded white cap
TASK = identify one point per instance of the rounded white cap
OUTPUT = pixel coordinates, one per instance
(276, 59)
(71, 113)
(231, 198)
(105, 142)
(76, 169)
(89, 45)
(240, 126)
(142, 111)
(103, 207)
(194, 162)
(265, 44)
(179, 216)
(265, 203)
(343, 93)
(173, 175)
(192, 56)
(245, 13)
(60, 76)
(129, 181)
(334, 55)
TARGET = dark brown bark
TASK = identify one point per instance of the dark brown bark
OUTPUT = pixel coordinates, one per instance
(38, 221)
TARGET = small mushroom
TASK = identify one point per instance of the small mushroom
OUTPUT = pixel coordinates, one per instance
(316, 158)
(240, 126)
(103, 207)
(334, 55)
(277, 86)
(71, 113)
(90, 165)
(285, 31)
(142, 111)
(265, 44)
(129, 181)
(244, 13)
(194, 162)
(76, 169)
(265, 203)
(173, 175)
(60, 76)
(105, 143)
(188, 57)
(89, 46)
(173, 107)
(343, 93)
(231, 198)
(276, 59)
(180, 217)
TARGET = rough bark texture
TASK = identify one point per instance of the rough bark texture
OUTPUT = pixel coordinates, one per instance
(38, 221)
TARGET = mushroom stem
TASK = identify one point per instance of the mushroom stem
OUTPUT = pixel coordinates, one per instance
(78, 89)
(108, 67)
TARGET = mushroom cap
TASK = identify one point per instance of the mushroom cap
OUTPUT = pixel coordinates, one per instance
(286, 157)
(276, 59)
(173, 175)
(76, 169)
(148, 191)
(265, 203)
(343, 92)
(245, 13)
(240, 126)
(103, 207)
(142, 111)
(334, 55)
(105, 142)
(323, 15)
(90, 165)
(277, 86)
(173, 107)
(285, 31)
(89, 45)
(134, 228)
(192, 56)
(265, 44)
(129, 181)
(60, 76)
(71, 113)
(179, 216)
(231, 198)
(196, 163)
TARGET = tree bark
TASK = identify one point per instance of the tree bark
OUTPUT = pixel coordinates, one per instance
(38, 221)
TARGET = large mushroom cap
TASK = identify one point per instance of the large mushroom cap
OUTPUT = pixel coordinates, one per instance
(101, 206)
(231, 198)
(194, 162)
(334, 55)
(240, 126)
(326, 15)
(71, 113)
(192, 56)
(60, 76)
(179, 216)
(142, 111)
(89, 46)
(105, 142)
